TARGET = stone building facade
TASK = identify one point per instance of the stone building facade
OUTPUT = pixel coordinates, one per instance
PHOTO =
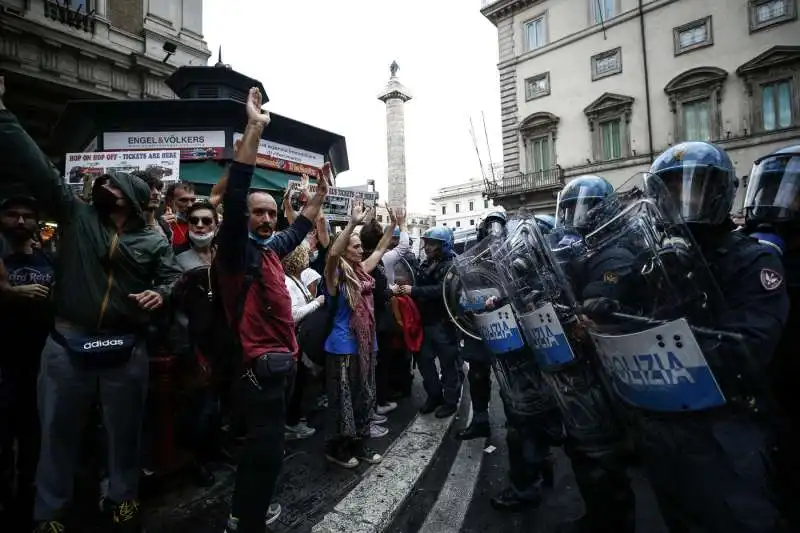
(604, 86)
(54, 51)
(461, 206)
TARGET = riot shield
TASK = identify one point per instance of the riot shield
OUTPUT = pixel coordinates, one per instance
(655, 340)
(472, 295)
(538, 278)
(404, 273)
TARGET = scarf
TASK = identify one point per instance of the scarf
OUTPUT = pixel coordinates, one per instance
(362, 320)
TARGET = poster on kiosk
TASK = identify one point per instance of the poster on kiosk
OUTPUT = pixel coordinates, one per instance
(93, 164)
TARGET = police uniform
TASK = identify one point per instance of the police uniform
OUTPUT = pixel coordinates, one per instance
(710, 468)
(772, 215)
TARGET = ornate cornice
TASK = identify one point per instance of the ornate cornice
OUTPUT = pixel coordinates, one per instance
(501, 9)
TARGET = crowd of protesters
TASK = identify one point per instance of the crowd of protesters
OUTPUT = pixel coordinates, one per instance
(255, 303)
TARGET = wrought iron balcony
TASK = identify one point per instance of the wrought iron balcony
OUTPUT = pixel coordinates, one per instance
(552, 178)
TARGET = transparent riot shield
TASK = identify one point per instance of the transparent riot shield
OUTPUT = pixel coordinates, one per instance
(480, 307)
(403, 273)
(655, 337)
(535, 269)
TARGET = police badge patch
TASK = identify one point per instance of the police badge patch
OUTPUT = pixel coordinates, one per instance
(610, 277)
(770, 279)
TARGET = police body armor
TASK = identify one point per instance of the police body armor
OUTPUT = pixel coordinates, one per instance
(479, 306)
(541, 297)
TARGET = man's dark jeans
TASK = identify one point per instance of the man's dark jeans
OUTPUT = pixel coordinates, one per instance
(441, 342)
(264, 406)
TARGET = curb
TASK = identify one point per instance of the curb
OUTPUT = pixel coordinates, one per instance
(373, 504)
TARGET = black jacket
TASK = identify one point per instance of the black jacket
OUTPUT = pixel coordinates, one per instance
(427, 293)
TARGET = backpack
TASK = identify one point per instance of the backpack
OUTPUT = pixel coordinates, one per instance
(313, 331)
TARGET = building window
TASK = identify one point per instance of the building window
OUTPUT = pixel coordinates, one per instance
(538, 154)
(539, 132)
(693, 35)
(472, 222)
(602, 10)
(486, 204)
(458, 223)
(444, 209)
(380, 218)
(696, 118)
(772, 84)
(471, 205)
(536, 33)
(458, 208)
(776, 105)
(695, 100)
(766, 13)
(537, 86)
(610, 140)
(609, 123)
(607, 64)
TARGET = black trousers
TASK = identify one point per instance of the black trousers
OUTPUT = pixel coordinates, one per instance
(480, 385)
(294, 411)
(264, 405)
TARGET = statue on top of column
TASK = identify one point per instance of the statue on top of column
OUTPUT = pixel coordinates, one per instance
(393, 68)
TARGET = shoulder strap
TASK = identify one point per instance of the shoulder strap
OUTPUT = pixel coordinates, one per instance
(304, 290)
(252, 273)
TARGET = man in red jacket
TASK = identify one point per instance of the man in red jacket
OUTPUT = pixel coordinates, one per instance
(259, 310)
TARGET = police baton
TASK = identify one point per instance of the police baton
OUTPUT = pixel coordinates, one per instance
(704, 332)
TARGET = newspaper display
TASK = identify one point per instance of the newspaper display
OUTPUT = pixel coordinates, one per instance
(93, 164)
(338, 202)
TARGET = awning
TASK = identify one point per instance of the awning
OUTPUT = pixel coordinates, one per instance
(208, 173)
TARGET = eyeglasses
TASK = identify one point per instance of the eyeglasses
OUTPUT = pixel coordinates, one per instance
(207, 221)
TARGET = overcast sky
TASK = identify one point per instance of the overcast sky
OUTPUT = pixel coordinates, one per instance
(324, 62)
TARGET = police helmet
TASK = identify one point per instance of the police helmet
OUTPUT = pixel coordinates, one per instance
(700, 179)
(440, 234)
(493, 224)
(546, 223)
(577, 198)
(773, 190)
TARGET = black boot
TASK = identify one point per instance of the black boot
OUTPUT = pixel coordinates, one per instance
(474, 431)
(430, 405)
(511, 500)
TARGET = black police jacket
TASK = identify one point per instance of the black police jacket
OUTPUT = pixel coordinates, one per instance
(427, 293)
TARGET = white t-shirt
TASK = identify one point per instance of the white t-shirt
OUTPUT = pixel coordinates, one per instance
(302, 302)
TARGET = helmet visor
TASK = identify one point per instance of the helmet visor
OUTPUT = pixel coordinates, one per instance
(700, 193)
(573, 212)
(494, 228)
(773, 193)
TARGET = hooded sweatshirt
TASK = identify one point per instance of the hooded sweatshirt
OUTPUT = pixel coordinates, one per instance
(97, 267)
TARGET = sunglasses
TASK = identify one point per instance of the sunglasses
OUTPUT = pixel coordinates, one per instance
(207, 221)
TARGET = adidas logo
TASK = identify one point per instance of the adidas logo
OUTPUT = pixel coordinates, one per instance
(102, 344)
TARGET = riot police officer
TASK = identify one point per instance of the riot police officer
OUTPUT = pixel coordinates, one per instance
(595, 445)
(772, 215)
(439, 334)
(710, 468)
(478, 357)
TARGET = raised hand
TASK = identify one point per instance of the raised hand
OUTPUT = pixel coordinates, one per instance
(392, 215)
(254, 113)
(357, 212)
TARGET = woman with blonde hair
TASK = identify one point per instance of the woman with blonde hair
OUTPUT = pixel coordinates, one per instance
(303, 304)
(351, 344)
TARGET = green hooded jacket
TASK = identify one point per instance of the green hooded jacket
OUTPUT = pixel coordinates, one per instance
(97, 268)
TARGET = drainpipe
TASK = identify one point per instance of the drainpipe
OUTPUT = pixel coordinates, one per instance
(646, 82)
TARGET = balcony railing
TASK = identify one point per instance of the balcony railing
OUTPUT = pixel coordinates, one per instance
(485, 3)
(552, 178)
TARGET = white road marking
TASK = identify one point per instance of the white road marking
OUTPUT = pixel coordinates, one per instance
(455, 496)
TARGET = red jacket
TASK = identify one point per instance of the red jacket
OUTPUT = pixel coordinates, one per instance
(266, 324)
(408, 318)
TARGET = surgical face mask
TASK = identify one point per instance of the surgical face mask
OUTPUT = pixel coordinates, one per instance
(312, 256)
(201, 240)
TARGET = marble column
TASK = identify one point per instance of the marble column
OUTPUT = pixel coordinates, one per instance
(395, 95)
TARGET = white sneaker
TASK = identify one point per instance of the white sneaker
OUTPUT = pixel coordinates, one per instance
(388, 407)
(375, 418)
(299, 431)
(273, 513)
(376, 431)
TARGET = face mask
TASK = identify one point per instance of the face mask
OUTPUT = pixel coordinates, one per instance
(104, 200)
(313, 256)
(201, 240)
